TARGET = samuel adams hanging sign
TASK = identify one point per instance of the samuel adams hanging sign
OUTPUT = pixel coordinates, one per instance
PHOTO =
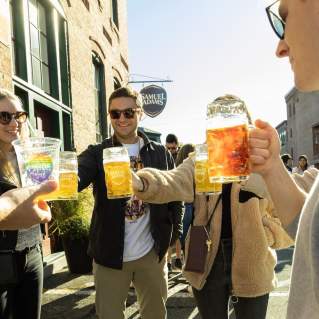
(154, 100)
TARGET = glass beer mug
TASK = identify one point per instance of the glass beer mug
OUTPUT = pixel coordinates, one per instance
(202, 183)
(118, 177)
(68, 178)
(227, 140)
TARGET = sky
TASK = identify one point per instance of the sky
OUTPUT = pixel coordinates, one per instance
(207, 48)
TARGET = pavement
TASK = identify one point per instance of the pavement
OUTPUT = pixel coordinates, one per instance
(72, 296)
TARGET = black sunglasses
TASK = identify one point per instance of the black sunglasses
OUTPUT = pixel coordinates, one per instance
(128, 113)
(277, 23)
(6, 117)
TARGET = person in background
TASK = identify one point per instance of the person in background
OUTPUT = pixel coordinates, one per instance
(129, 238)
(188, 216)
(296, 23)
(171, 144)
(21, 267)
(302, 165)
(287, 160)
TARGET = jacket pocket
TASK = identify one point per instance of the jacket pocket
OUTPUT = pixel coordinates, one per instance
(277, 237)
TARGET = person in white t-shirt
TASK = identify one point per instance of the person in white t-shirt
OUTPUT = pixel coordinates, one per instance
(129, 238)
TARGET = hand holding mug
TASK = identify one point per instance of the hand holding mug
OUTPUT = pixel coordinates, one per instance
(264, 145)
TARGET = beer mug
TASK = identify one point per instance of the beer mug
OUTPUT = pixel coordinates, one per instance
(68, 178)
(227, 140)
(202, 183)
(38, 159)
(118, 177)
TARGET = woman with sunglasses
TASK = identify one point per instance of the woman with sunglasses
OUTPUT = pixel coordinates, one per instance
(21, 268)
(243, 232)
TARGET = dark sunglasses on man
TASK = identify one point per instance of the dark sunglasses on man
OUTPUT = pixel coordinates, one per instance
(6, 117)
(128, 113)
(276, 22)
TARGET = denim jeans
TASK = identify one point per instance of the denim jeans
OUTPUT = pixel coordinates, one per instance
(187, 220)
(23, 300)
(213, 299)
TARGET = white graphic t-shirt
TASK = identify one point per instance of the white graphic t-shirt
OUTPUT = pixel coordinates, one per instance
(138, 240)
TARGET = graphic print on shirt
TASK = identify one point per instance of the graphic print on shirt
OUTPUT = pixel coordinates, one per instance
(135, 208)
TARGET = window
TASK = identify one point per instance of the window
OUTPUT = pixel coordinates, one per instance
(64, 67)
(115, 16)
(291, 132)
(39, 45)
(67, 132)
(293, 109)
(283, 137)
(117, 83)
(99, 91)
(292, 152)
(47, 120)
(18, 40)
(315, 139)
(289, 107)
(40, 58)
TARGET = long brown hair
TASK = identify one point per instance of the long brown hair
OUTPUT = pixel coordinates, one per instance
(184, 152)
(7, 168)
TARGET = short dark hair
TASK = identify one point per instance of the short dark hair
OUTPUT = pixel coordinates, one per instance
(171, 138)
(286, 157)
(127, 91)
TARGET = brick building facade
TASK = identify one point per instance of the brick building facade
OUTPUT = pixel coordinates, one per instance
(64, 58)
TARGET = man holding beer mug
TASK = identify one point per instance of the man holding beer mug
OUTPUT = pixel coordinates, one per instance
(296, 23)
(129, 238)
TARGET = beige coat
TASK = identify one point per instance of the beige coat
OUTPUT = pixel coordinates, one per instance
(256, 230)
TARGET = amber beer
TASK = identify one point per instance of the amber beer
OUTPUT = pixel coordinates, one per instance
(67, 189)
(228, 153)
(68, 178)
(227, 139)
(118, 176)
(202, 183)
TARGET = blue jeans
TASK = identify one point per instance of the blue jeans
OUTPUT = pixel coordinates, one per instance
(212, 300)
(23, 300)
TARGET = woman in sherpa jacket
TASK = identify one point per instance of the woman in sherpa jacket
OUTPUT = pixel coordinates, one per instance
(244, 232)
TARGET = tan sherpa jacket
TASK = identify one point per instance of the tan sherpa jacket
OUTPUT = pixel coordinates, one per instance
(256, 230)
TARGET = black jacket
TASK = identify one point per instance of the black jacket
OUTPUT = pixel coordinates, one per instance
(108, 221)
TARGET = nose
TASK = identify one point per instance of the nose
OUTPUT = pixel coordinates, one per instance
(122, 117)
(282, 49)
(13, 122)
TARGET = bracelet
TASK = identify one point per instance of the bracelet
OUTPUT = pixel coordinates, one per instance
(145, 184)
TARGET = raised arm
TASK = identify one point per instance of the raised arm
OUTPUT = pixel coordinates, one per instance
(156, 186)
(265, 159)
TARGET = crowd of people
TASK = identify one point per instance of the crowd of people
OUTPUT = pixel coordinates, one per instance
(130, 238)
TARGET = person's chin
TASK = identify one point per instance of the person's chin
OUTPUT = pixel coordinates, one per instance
(306, 79)
(308, 84)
